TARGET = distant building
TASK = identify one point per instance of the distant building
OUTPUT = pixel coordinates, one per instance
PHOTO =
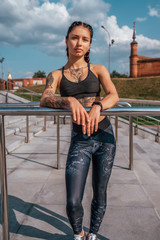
(2, 84)
(21, 82)
(141, 66)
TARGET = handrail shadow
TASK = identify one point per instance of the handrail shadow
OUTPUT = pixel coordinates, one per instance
(41, 213)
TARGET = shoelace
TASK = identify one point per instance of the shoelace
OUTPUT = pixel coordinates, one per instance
(92, 236)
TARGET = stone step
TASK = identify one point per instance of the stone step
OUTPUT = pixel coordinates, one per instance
(13, 119)
(17, 127)
(14, 141)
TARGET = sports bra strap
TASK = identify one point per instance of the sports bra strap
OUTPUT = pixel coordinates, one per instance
(62, 70)
(88, 66)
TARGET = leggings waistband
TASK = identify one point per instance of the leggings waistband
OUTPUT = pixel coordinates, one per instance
(101, 125)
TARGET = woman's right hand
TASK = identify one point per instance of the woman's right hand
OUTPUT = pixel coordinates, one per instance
(80, 116)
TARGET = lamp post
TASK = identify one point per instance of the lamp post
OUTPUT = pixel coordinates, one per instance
(111, 42)
(1, 61)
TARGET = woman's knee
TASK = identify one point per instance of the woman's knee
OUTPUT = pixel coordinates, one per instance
(73, 205)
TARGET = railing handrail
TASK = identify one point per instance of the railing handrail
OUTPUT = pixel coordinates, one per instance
(118, 111)
(18, 104)
(154, 119)
(143, 101)
(37, 103)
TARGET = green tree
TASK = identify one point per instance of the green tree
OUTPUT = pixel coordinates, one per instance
(116, 74)
(39, 74)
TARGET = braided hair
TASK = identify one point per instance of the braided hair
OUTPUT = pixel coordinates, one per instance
(85, 25)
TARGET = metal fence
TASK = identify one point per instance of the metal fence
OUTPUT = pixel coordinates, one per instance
(39, 111)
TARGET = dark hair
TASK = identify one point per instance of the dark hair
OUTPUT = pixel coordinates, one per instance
(85, 25)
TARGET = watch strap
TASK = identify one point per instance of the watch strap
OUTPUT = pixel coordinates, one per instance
(98, 103)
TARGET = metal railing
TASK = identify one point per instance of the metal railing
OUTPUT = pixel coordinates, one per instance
(141, 102)
(152, 125)
(39, 111)
(26, 89)
(37, 104)
(30, 104)
(146, 124)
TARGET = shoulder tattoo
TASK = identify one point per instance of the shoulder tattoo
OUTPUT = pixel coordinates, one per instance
(49, 81)
(49, 93)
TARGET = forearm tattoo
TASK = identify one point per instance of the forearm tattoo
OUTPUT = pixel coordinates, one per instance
(49, 81)
(55, 101)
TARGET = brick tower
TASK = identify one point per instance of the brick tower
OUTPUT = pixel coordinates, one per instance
(134, 56)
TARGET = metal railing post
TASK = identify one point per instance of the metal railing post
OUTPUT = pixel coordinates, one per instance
(55, 119)
(116, 128)
(158, 132)
(45, 123)
(27, 129)
(3, 180)
(137, 127)
(130, 143)
(58, 144)
(71, 124)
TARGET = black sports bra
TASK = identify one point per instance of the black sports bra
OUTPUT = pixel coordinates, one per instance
(89, 87)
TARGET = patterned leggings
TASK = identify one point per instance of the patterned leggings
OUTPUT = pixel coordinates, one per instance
(101, 148)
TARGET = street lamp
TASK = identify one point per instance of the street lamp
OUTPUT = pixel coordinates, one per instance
(1, 61)
(111, 42)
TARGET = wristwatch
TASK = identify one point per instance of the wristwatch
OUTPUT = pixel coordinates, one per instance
(98, 103)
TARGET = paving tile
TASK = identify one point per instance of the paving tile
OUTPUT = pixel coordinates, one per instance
(37, 197)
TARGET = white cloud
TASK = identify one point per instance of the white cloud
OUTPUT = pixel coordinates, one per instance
(30, 23)
(29, 74)
(90, 11)
(44, 24)
(153, 12)
(138, 19)
(147, 43)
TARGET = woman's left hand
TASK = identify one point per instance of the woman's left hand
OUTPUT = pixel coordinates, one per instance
(94, 116)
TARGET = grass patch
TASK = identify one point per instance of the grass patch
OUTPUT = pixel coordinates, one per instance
(147, 88)
(142, 120)
(139, 88)
(33, 98)
(35, 88)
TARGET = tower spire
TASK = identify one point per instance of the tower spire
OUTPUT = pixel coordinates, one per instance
(134, 56)
(134, 33)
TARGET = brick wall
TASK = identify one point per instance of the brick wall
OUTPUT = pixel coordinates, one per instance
(149, 67)
(142, 66)
(26, 82)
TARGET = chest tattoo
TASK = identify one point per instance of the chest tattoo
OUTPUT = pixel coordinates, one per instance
(76, 74)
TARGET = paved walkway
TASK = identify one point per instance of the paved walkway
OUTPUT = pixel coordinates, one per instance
(37, 191)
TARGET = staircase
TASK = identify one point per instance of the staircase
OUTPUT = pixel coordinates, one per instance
(16, 133)
(15, 126)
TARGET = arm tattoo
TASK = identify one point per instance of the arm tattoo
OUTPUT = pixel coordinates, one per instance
(54, 101)
(49, 81)
(49, 93)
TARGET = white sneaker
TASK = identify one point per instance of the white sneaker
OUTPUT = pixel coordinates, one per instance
(91, 236)
(76, 237)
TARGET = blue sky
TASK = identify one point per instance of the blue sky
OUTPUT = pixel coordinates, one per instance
(32, 32)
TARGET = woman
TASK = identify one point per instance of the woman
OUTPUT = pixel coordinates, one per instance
(92, 134)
